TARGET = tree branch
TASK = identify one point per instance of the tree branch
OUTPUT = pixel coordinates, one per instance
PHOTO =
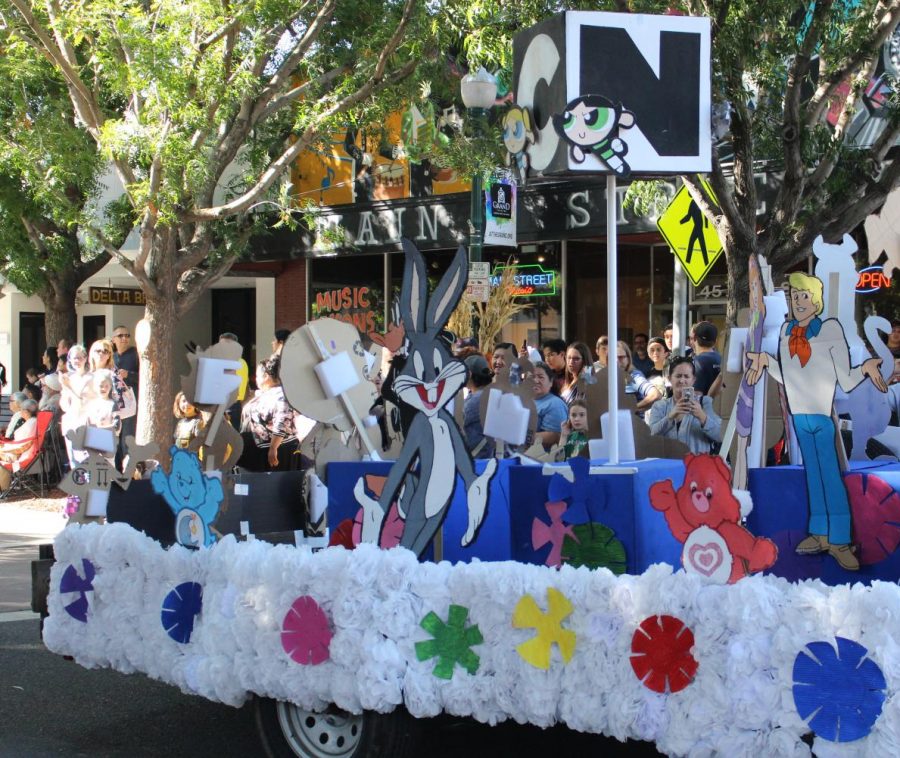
(828, 86)
(243, 203)
(81, 98)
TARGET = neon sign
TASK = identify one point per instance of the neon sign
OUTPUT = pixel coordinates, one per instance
(530, 280)
(872, 279)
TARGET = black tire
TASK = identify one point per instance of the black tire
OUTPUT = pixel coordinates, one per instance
(287, 731)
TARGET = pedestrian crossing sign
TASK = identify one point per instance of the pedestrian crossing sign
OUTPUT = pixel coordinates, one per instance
(690, 234)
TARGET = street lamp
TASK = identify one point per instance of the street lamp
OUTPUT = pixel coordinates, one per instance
(479, 90)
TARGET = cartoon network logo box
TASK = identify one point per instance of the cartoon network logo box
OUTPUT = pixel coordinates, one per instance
(616, 92)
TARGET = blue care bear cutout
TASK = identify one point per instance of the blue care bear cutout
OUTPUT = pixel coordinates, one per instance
(193, 497)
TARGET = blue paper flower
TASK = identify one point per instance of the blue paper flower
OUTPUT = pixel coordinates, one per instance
(585, 499)
(840, 693)
(179, 609)
(72, 582)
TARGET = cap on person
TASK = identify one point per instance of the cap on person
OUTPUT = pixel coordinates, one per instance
(478, 367)
(706, 333)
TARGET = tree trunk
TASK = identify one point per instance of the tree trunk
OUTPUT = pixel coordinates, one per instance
(738, 292)
(60, 319)
(155, 419)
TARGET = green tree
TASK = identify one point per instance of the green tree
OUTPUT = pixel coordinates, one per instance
(48, 173)
(201, 107)
(794, 75)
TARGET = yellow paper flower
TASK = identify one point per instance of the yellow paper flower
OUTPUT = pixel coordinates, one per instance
(549, 628)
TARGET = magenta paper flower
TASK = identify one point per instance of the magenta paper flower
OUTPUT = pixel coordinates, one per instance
(305, 634)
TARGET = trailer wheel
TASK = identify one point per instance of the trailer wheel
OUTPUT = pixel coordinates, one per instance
(288, 731)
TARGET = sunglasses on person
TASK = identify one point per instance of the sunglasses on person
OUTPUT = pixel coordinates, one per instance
(124, 335)
(100, 351)
(603, 343)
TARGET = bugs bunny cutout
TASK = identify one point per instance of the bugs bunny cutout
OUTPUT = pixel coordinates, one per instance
(428, 382)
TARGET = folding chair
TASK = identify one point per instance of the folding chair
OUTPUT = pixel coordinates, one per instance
(25, 471)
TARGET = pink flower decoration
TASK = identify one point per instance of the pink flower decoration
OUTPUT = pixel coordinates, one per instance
(554, 533)
(661, 654)
(305, 634)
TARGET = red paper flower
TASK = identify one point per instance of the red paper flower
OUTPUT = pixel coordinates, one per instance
(305, 634)
(661, 654)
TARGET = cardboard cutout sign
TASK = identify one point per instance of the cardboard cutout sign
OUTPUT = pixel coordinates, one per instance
(508, 411)
(213, 384)
(90, 480)
(325, 376)
(423, 479)
(654, 67)
(518, 134)
(193, 497)
(646, 445)
(813, 358)
(704, 516)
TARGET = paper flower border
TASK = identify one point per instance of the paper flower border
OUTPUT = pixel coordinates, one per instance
(747, 638)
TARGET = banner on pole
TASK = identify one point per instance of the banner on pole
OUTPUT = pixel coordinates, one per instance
(500, 213)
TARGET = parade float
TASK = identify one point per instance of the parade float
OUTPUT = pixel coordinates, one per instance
(653, 598)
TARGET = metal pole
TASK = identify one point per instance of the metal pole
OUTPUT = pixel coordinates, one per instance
(679, 309)
(612, 318)
(476, 208)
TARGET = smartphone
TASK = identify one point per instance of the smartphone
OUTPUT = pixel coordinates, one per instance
(687, 394)
(525, 345)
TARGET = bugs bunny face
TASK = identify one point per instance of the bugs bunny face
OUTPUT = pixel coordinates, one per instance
(431, 376)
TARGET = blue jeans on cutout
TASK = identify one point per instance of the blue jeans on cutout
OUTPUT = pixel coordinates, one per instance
(829, 506)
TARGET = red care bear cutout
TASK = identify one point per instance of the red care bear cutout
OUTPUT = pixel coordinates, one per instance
(704, 515)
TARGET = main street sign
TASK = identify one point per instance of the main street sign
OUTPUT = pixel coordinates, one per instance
(691, 236)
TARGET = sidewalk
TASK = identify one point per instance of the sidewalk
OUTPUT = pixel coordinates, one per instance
(21, 531)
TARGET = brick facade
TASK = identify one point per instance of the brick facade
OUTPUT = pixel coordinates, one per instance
(290, 295)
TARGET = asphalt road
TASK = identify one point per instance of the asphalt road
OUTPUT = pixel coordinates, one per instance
(53, 707)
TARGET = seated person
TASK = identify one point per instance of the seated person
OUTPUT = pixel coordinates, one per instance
(552, 410)
(19, 448)
(51, 387)
(685, 416)
(15, 404)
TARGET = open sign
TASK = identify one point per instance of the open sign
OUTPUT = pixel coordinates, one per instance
(872, 279)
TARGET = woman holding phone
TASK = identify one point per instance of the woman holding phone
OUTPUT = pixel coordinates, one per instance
(686, 416)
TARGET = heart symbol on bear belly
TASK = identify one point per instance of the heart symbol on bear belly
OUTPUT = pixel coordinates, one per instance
(705, 558)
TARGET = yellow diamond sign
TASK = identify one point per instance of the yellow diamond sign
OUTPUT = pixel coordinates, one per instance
(690, 234)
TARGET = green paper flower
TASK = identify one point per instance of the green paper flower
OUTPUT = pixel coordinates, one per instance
(451, 642)
(594, 546)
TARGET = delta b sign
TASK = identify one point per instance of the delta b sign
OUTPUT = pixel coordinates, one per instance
(616, 92)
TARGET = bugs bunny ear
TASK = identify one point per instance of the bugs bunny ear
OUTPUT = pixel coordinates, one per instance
(414, 291)
(449, 290)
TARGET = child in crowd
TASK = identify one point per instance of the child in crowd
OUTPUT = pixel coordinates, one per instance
(190, 422)
(573, 438)
(102, 410)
